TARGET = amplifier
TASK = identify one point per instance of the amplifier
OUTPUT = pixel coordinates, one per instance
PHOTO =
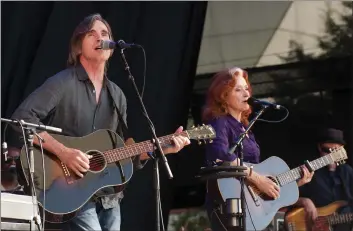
(7, 225)
(14, 206)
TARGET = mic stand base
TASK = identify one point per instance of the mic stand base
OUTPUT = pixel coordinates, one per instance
(242, 214)
(242, 202)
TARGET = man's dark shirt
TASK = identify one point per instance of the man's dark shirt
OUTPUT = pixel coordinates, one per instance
(68, 101)
(327, 187)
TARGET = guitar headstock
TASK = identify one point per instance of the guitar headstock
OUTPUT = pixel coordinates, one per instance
(338, 155)
(203, 132)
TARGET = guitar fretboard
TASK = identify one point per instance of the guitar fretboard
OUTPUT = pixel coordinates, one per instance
(295, 174)
(340, 219)
(136, 149)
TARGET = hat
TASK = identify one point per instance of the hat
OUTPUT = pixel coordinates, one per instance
(331, 135)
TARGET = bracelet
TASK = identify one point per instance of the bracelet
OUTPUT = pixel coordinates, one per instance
(251, 168)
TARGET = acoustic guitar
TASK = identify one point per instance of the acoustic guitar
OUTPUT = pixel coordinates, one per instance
(295, 219)
(261, 209)
(110, 165)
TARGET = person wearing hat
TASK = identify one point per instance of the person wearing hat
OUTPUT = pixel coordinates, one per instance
(329, 184)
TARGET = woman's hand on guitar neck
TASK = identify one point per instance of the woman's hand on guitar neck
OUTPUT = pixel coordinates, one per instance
(74, 159)
(306, 176)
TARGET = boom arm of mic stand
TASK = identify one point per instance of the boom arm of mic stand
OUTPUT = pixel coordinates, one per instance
(151, 126)
(32, 125)
(242, 136)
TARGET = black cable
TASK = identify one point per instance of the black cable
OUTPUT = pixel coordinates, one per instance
(144, 71)
(277, 121)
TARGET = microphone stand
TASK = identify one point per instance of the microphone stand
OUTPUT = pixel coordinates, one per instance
(30, 132)
(239, 144)
(158, 153)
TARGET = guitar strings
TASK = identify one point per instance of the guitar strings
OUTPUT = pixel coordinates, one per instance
(325, 220)
(108, 156)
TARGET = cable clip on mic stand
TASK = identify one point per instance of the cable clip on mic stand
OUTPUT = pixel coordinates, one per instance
(158, 154)
(30, 131)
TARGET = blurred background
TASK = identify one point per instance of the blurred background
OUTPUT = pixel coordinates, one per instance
(298, 54)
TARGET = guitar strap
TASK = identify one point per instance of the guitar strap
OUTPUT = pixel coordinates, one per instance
(122, 127)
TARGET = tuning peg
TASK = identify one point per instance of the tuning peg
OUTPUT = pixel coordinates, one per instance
(210, 141)
(199, 142)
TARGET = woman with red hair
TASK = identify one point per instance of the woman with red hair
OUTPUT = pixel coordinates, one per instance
(227, 110)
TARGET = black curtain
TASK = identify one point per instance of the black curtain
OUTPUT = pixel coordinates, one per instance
(35, 41)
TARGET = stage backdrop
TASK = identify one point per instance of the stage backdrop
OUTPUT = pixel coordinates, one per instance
(35, 42)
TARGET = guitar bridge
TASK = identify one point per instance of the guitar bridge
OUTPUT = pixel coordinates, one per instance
(253, 195)
(68, 177)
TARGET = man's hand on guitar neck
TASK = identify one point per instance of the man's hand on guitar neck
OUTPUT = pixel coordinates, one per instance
(179, 142)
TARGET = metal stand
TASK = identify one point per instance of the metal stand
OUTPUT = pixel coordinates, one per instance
(241, 215)
(159, 152)
(36, 218)
(218, 172)
(30, 131)
(233, 212)
(232, 206)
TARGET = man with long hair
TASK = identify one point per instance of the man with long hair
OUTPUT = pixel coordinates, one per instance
(80, 100)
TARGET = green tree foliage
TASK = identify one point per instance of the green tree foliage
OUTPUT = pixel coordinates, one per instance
(336, 42)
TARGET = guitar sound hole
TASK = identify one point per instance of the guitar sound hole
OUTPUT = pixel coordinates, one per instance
(263, 195)
(273, 179)
(97, 161)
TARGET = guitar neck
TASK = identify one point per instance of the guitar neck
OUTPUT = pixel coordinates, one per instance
(340, 218)
(137, 149)
(295, 174)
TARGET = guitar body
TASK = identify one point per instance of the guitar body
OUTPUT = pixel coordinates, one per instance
(261, 210)
(295, 218)
(65, 192)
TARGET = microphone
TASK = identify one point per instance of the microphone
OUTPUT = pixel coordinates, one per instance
(4, 150)
(252, 100)
(108, 44)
